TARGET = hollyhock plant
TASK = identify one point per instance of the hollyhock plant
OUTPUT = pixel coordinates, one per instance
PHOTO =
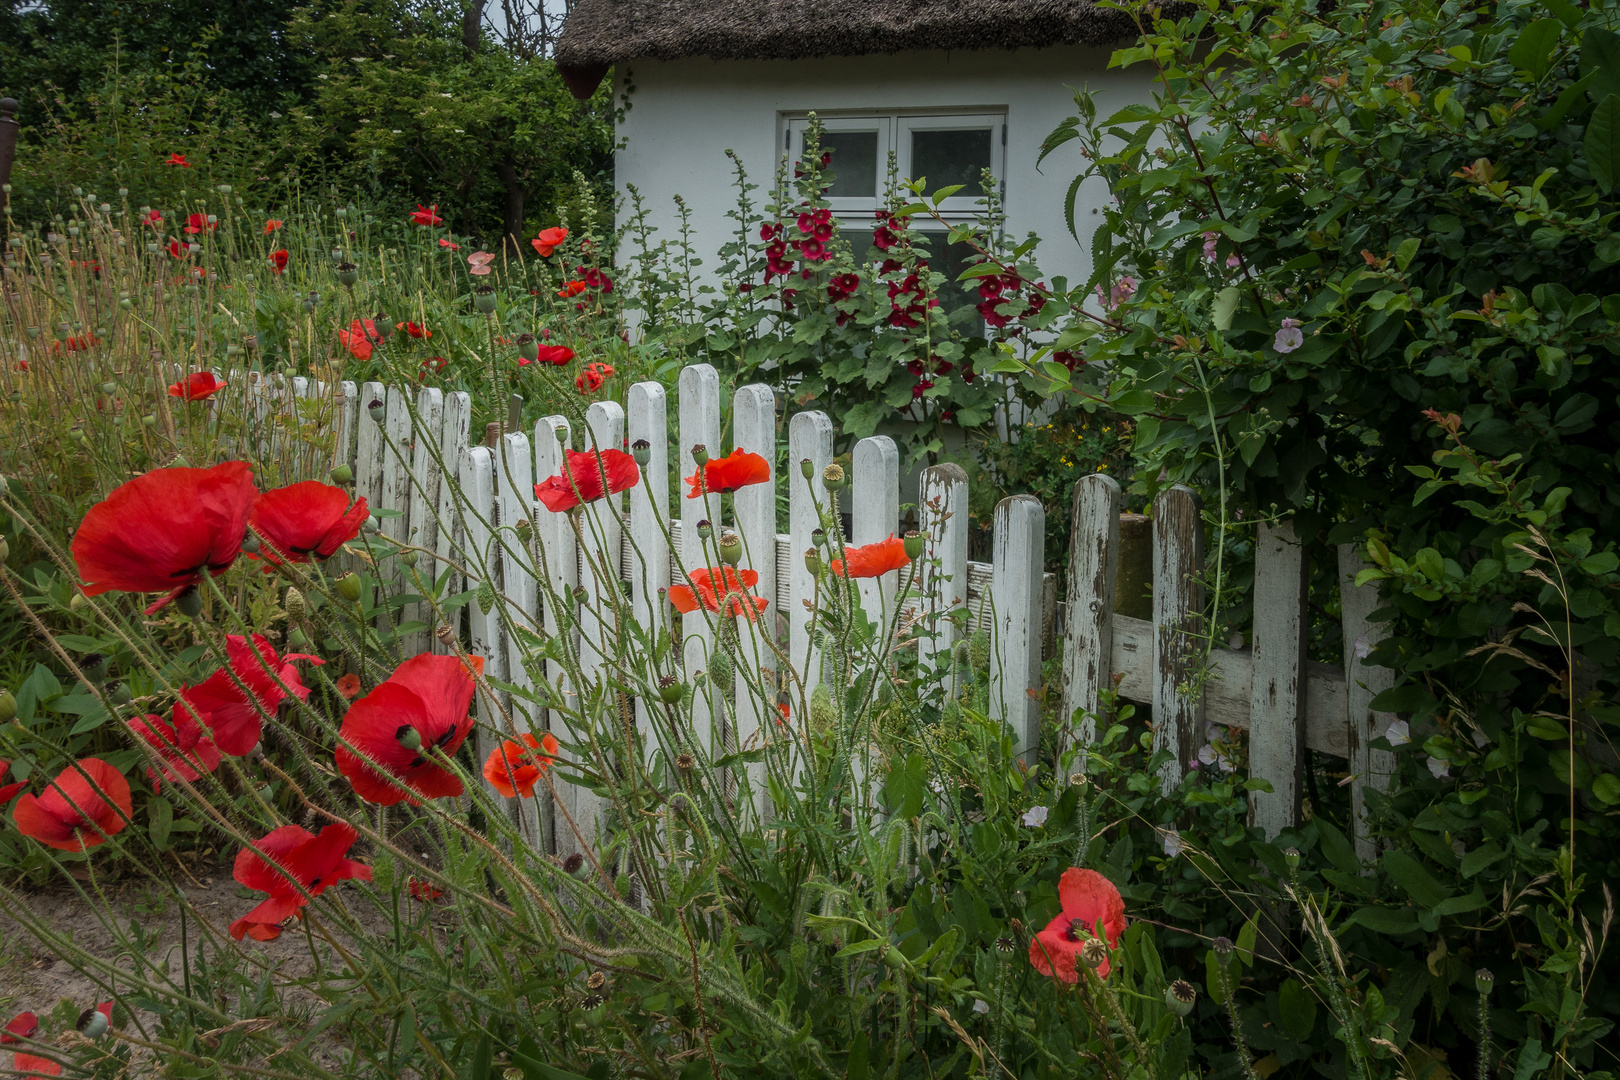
(548, 241)
(737, 469)
(306, 519)
(86, 803)
(185, 750)
(278, 261)
(478, 263)
(358, 338)
(313, 861)
(8, 791)
(178, 159)
(387, 735)
(161, 532)
(710, 586)
(226, 711)
(198, 386)
(1089, 901)
(514, 767)
(427, 215)
(583, 481)
(872, 560)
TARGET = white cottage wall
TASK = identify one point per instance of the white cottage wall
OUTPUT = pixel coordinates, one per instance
(685, 114)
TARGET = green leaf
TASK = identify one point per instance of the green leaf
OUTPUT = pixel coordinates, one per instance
(1384, 920)
(1226, 302)
(1335, 846)
(1407, 252)
(1481, 858)
(1296, 1008)
(1532, 52)
(160, 821)
(1567, 13)
(1414, 879)
(483, 1058)
(1532, 1059)
(1602, 142)
(855, 1067)
(946, 192)
(1600, 61)
(1607, 788)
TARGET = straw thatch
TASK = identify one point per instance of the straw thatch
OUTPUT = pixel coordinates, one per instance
(601, 33)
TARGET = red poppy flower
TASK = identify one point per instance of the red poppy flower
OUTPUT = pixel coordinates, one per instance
(85, 804)
(548, 241)
(184, 747)
(199, 223)
(233, 720)
(314, 861)
(872, 560)
(414, 330)
(1088, 899)
(304, 519)
(422, 704)
(584, 480)
(349, 686)
(199, 385)
(450, 244)
(163, 530)
(23, 1026)
(177, 249)
(424, 891)
(736, 470)
(712, 585)
(514, 767)
(9, 791)
(358, 338)
(573, 288)
(153, 217)
(433, 365)
(271, 226)
(34, 1067)
(427, 215)
(178, 159)
(278, 261)
(557, 355)
(589, 381)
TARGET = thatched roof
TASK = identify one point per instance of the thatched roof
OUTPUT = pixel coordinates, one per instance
(601, 33)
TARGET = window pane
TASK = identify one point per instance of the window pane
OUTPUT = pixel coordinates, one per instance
(958, 298)
(854, 163)
(951, 157)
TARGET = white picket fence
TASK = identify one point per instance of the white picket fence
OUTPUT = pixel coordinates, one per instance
(1286, 703)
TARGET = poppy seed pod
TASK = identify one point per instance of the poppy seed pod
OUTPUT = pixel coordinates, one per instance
(1222, 946)
(1094, 953)
(527, 347)
(342, 476)
(808, 468)
(574, 865)
(812, 560)
(377, 410)
(1484, 981)
(1291, 857)
(524, 530)
(833, 477)
(348, 586)
(384, 328)
(484, 298)
(409, 738)
(818, 537)
(705, 529)
(669, 690)
(347, 274)
(92, 1023)
(408, 557)
(731, 550)
(109, 388)
(641, 451)
(8, 706)
(250, 543)
(1180, 997)
(914, 544)
(119, 694)
(149, 420)
(297, 638)
(189, 603)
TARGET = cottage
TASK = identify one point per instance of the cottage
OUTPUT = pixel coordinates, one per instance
(948, 88)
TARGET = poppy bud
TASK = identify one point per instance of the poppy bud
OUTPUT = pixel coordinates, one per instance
(76, 435)
(822, 713)
(486, 597)
(913, 544)
(641, 450)
(347, 273)
(348, 586)
(1180, 997)
(92, 1024)
(189, 603)
(808, 468)
(833, 477)
(342, 475)
(731, 550)
(119, 694)
(818, 537)
(149, 420)
(700, 454)
(484, 298)
(408, 557)
(123, 193)
(8, 706)
(126, 303)
(527, 347)
(340, 213)
(574, 865)
(384, 328)
(1484, 982)
(250, 543)
(377, 411)
(33, 331)
(704, 529)
(77, 601)
(409, 737)
(812, 560)
(669, 690)
(896, 960)
(294, 603)
(1222, 946)
(1291, 857)
(297, 638)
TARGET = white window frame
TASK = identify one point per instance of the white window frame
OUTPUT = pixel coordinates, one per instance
(995, 123)
(883, 125)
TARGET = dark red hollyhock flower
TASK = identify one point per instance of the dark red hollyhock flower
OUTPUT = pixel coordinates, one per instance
(596, 279)
(583, 481)
(278, 261)
(86, 803)
(1088, 898)
(427, 215)
(304, 519)
(737, 469)
(713, 586)
(23, 1026)
(422, 704)
(225, 710)
(872, 560)
(843, 286)
(921, 388)
(162, 531)
(178, 159)
(9, 791)
(198, 386)
(184, 747)
(314, 861)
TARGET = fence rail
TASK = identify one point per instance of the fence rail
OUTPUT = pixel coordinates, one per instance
(417, 459)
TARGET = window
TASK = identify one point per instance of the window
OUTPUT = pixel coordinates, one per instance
(942, 148)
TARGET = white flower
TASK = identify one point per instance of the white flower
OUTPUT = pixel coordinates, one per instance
(275, 115)
(1481, 740)
(1036, 817)
(1172, 842)
(1440, 769)
(1208, 755)
(1289, 338)
(446, 95)
(321, 76)
(358, 59)
(1363, 647)
(398, 132)
(1399, 733)
(981, 1006)
(365, 121)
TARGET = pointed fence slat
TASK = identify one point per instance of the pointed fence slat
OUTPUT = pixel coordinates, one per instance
(514, 484)
(1020, 524)
(648, 574)
(1088, 647)
(942, 518)
(559, 564)
(875, 514)
(810, 437)
(699, 425)
(368, 462)
(457, 418)
(347, 407)
(1277, 699)
(422, 526)
(1370, 769)
(1178, 604)
(753, 411)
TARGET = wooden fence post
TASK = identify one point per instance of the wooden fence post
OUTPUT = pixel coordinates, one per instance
(649, 517)
(1020, 541)
(875, 514)
(753, 428)
(478, 490)
(700, 426)
(1088, 648)
(1276, 692)
(942, 520)
(1178, 604)
(1369, 768)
